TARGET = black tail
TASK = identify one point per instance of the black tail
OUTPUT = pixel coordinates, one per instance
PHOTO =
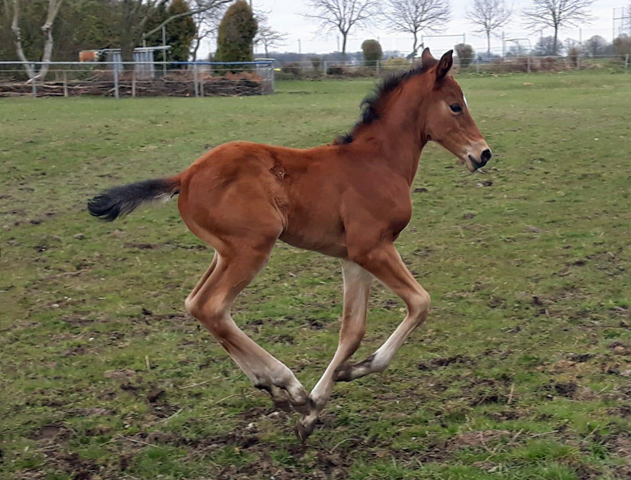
(119, 201)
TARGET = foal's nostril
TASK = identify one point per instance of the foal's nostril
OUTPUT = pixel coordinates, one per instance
(486, 156)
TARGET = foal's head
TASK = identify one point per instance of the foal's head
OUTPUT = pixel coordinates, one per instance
(447, 118)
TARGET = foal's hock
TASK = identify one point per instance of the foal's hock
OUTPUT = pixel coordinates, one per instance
(349, 200)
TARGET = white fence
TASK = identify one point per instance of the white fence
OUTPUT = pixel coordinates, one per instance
(182, 79)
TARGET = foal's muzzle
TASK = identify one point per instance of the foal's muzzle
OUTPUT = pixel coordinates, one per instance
(485, 156)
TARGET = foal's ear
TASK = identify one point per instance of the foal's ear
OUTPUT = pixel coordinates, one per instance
(426, 57)
(444, 65)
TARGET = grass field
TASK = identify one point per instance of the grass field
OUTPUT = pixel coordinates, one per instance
(523, 370)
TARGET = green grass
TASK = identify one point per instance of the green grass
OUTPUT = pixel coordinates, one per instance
(521, 372)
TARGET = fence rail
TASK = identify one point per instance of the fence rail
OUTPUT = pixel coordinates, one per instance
(136, 79)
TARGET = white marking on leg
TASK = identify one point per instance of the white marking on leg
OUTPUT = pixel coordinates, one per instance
(386, 264)
(356, 292)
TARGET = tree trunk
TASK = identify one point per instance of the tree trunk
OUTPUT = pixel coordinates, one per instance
(556, 39)
(198, 42)
(344, 34)
(127, 36)
(414, 47)
(48, 50)
(47, 30)
(488, 42)
(15, 27)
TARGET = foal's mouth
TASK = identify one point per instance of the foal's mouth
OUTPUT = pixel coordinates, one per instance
(473, 164)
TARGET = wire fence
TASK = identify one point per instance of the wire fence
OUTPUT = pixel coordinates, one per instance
(136, 79)
(538, 63)
(525, 63)
(206, 79)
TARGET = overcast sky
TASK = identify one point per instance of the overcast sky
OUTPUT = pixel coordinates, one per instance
(286, 16)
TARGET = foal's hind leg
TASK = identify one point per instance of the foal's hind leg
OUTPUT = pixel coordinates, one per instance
(356, 291)
(386, 264)
(202, 280)
(233, 271)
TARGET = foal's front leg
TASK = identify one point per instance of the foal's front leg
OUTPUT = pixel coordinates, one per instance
(386, 264)
(356, 291)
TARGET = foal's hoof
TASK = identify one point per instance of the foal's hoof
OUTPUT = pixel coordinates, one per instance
(347, 372)
(288, 401)
(343, 373)
(303, 431)
(282, 405)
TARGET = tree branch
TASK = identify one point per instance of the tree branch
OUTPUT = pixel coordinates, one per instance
(216, 4)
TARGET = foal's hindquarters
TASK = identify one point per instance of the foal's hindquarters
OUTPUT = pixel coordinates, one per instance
(240, 199)
(225, 201)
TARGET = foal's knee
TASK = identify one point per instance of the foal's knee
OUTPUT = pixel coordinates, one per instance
(210, 313)
(418, 305)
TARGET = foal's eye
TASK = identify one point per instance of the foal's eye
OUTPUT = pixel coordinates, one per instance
(455, 108)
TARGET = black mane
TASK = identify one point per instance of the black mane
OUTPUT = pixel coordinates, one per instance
(368, 106)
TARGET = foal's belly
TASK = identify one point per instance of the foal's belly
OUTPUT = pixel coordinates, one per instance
(329, 249)
(326, 237)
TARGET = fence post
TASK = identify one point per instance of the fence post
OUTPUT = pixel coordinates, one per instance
(378, 67)
(626, 61)
(195, 80)
(34, 81)
(477, 66)
(65, 83)
(528, 62)
(116, 92)
(272, 73)
(324, 67)
(201, 86)
(133, 83)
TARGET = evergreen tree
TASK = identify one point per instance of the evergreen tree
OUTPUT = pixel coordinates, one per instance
(372, 52)
(236, 34)
(179, 32)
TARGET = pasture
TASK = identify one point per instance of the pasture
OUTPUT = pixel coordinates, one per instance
(522, 371)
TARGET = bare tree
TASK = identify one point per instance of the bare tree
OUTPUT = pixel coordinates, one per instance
(267, 36)
(546, 47)
(343, 15)
(207, 24)
(13, 8)
(556, 14)
(595, 45)
(489, 15)
(416, 16)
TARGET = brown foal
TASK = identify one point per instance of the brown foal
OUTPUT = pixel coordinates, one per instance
(349, 200)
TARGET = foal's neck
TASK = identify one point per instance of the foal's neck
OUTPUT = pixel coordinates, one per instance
(399, 133)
